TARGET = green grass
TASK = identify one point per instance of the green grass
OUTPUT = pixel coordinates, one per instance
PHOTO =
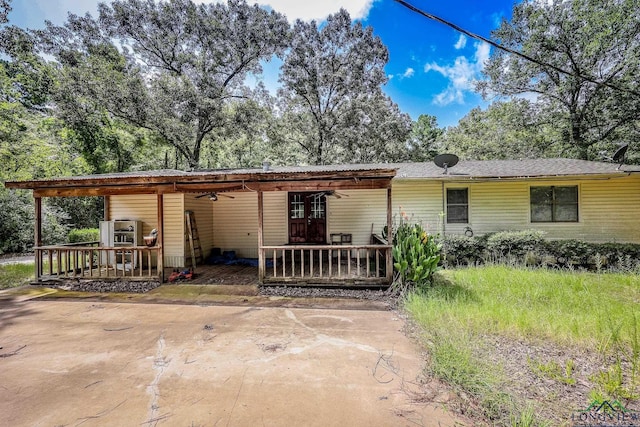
(575, 308)
(13, 275)
(567, 308)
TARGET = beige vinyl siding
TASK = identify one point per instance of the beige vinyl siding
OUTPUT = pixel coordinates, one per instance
(275, 220)
(142, 207)
(355, 212)
(607, 208)
(495, 206)
(136, 207)
(174, 230)
(203, 211)
(608, 211)
(420, 200)
(235, 224)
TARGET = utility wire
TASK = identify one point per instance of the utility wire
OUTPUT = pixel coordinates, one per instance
(511, 51)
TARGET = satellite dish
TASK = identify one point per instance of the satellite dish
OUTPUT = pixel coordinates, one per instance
(446, 161)
(618, 156)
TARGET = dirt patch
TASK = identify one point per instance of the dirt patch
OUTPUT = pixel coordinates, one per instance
(552, 380)
(555, 379)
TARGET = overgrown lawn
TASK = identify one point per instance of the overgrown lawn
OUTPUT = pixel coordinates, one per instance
(13, 275)
(466, 312)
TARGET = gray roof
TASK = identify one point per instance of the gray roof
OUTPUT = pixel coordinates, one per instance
(528, 168)
(465, 169)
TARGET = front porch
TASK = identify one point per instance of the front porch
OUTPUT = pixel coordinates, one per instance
(281, 217)
(325, 265)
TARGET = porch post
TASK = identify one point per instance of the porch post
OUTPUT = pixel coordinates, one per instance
(106, 201)
(261, 266)
(389, 235)
(38, 236)
(160, 239)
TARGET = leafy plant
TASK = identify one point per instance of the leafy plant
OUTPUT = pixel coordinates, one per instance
(416, 255)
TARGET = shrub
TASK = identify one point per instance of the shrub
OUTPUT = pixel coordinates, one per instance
(416, 255)
(528, 247)
(462, 250)
(514, 244)
(84, 235)
(570, 251)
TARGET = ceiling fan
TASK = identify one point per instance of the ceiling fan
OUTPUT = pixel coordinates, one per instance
(330, 193)
(214, 196)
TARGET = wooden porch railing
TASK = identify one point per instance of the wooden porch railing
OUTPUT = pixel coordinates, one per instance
(326, 264)
(87, 260)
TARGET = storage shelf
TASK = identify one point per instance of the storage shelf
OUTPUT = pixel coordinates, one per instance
(121, 234)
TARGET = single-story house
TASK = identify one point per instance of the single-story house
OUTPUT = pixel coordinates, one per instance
(292, 220)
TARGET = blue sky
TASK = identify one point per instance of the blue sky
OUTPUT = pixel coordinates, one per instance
(431, 67)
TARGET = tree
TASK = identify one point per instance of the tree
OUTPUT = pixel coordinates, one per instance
(505, 130)
(377, 134)
(169, 67)
(331, 91)
(586, 59)
(5, 8)
(423, 144)
(244, 142)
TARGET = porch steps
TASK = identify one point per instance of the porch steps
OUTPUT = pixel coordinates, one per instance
(193, 238)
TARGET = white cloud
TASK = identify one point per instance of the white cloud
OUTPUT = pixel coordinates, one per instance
(462, 42)
(308, 10)
(462, 75)
(409, 72)
(56, 10)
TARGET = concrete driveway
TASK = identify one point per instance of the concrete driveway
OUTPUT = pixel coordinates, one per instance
(78, 363)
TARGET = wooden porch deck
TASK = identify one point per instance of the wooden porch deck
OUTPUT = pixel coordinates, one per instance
(220, 275)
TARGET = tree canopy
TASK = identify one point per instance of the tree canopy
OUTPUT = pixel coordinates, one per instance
(505, 130)
(169, 67)
(584, 74)
(331, 93)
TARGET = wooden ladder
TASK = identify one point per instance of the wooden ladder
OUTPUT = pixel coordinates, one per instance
(193, 238)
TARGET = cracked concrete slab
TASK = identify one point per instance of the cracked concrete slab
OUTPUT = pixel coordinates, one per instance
(93, 364)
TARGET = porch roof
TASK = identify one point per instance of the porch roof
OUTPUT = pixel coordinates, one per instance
(299, 178)
(316, 177)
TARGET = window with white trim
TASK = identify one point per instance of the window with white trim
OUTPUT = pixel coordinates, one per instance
(554, 203)
(457, 205)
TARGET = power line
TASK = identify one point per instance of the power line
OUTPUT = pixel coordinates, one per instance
(511, 51)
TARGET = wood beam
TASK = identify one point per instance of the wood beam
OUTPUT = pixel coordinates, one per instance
(93, 191)
(389, 255)
(212, 177)
(261, 260)
(337, 183)
(160, 239)
(321, 185)
(38, 236)
(206, 188)
(107, 207)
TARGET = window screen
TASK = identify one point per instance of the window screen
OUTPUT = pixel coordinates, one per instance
(554, 204)
(457, 205)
